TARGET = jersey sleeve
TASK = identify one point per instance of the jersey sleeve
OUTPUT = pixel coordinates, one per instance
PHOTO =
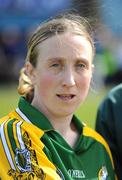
(21, 152)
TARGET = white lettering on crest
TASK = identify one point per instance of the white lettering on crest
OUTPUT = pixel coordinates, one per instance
(76, 173)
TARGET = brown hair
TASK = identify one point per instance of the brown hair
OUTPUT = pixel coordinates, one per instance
(74, 24)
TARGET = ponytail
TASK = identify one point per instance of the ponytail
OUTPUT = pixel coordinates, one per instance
(25, 87)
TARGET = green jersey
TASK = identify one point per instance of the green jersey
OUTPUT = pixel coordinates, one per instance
(30, 148)
(109, 124)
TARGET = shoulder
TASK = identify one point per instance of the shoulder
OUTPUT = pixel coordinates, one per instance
(14, 132)
(88, 132)
(15, 124)
(9, 117)
(117, 89)
(115, 93)
(8, 126)
(13, 120)
(112, 99)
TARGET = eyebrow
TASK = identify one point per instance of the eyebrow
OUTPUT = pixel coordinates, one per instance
(82, 60)
(56, 60)
(59, 59)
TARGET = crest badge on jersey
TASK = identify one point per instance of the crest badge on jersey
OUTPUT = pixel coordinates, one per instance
(25, 156)
(103, 173)
(26, 163)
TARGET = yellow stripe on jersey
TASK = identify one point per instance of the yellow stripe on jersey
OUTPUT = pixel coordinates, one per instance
(91, 133)
(3, 160)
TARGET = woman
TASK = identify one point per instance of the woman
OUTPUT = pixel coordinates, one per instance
(42, 138)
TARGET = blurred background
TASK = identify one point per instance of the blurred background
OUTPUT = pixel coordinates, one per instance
(18, 18)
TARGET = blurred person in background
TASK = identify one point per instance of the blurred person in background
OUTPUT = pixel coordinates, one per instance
(109, 125)
(42, 138)
(12, 52)
(111, 39)
(108, 57)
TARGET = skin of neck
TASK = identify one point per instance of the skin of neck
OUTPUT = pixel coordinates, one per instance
(67, 129)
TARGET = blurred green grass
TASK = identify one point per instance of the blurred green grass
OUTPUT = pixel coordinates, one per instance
(8, 99)
(87, 111)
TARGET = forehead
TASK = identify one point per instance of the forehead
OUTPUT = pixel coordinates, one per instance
(65, 45)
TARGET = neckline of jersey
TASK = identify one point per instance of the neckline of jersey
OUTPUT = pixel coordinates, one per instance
(35, 115)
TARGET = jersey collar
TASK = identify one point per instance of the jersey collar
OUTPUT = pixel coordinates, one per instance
(30, 113)
(33, 115)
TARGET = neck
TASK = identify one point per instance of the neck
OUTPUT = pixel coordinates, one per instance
(66, 128)
(62, 124)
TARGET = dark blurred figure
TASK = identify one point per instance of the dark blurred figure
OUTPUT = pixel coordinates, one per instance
(109, 56)
(89, 9)
(109, 125)
(11, 51)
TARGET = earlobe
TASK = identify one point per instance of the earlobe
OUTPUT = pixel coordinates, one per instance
(30, 71)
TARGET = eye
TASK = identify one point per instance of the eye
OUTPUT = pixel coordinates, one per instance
(81, 65)
(55, 65)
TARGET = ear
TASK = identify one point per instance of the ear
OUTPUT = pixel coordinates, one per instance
(30, 71)
(93, 68)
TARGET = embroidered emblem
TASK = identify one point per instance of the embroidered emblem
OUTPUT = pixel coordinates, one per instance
(19, 176)
(22, 159)
(26, 162)
(103, 173)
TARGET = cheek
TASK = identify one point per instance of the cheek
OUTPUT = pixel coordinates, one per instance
(45, 85)
(85, 83)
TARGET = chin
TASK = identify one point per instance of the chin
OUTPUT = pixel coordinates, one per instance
(67, 112)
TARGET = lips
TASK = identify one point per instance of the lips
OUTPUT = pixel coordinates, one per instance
(66, 97)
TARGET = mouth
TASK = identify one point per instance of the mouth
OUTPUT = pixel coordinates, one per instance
(66, 97)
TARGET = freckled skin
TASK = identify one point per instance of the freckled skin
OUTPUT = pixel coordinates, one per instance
(64, 68)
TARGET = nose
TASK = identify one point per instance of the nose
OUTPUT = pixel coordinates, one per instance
(68, 78)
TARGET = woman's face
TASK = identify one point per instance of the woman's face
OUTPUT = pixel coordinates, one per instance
(63, 73)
